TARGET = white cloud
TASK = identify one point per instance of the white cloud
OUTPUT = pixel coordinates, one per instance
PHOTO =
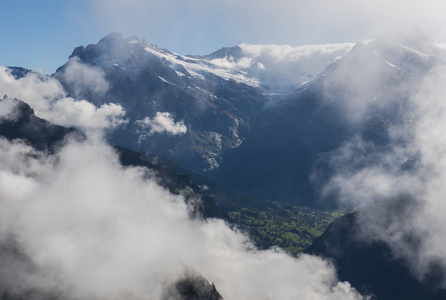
(430, 138)
(163, 122)
(364, 173)
(94, 229)
(412, 166)
(7, 109)
(49, 101)
(82, 113)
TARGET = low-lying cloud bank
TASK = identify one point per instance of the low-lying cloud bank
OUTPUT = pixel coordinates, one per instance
(91, 228)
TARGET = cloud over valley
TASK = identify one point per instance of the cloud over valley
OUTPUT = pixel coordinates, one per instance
(88, 227)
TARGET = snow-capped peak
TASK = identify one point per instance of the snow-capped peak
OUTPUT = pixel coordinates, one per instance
(276, 69)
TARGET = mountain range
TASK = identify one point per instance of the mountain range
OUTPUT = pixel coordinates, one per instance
(215, 115)
(210, 101)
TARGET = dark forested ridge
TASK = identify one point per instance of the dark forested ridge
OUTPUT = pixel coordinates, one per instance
(371, 266)
(39, 133)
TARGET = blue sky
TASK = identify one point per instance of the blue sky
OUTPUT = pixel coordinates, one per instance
(40, 35)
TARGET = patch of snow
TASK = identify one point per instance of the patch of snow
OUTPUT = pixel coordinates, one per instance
(390, 64)
(216, 137)
(179, 74)
(164, 80)
(423, 55)
(199, 67)
(235, 135)
(204, 187)
(212, 162)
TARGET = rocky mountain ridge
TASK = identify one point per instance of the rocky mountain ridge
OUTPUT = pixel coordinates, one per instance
(215, 97)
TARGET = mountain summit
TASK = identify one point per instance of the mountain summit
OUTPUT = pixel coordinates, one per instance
(183, 108)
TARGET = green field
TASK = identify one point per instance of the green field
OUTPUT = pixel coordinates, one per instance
(292, 228)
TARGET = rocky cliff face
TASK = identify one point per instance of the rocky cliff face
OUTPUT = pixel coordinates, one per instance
(193, 287)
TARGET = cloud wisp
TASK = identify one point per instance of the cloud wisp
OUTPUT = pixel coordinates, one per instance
(84, 78)
(7, 109)
(50, 101)
(162, 123)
